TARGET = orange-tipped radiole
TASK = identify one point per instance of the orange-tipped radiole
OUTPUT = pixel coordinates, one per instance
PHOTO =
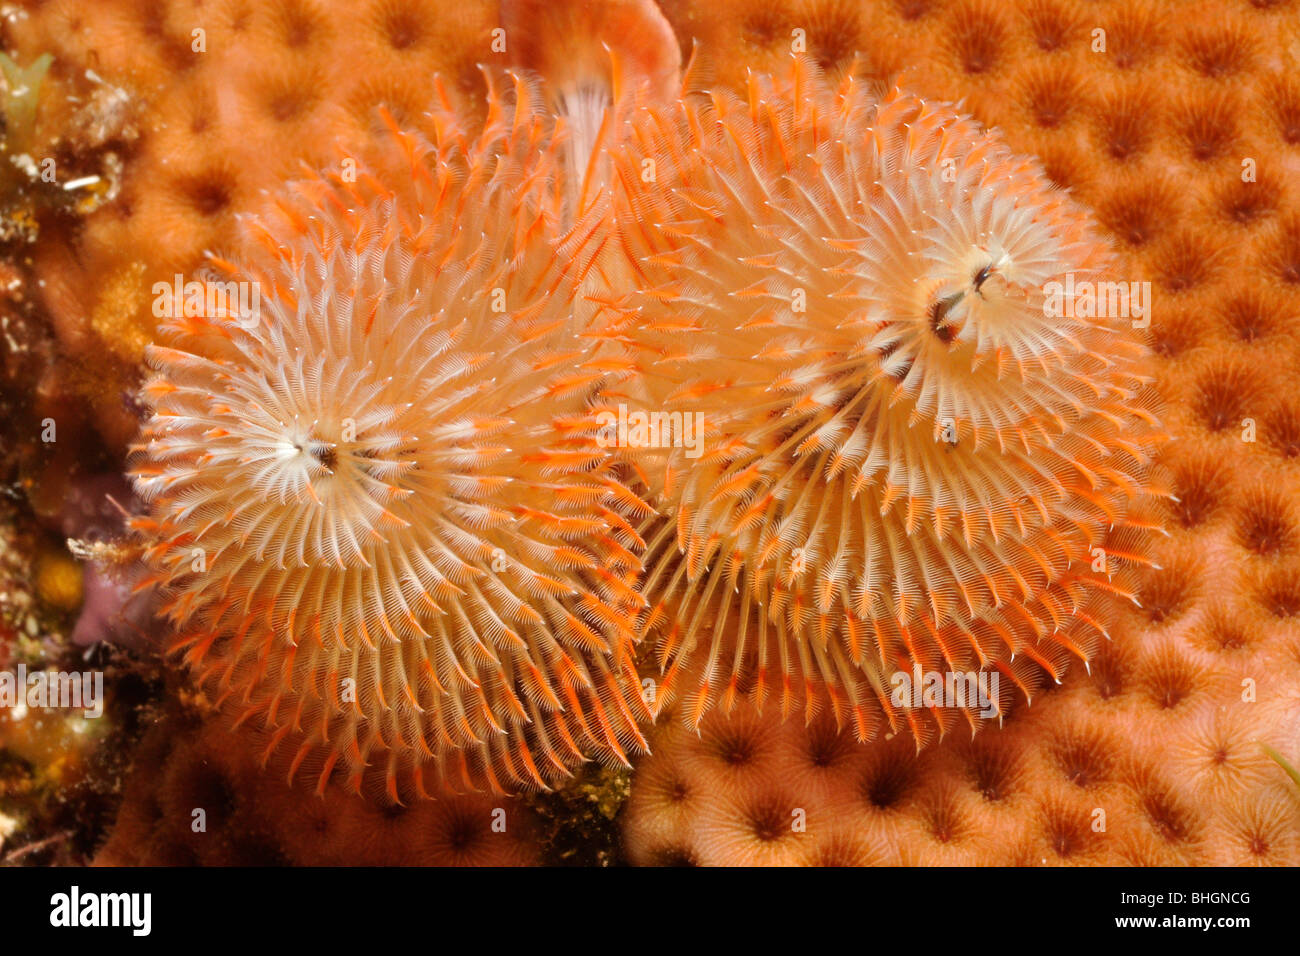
(389, 541)
(927, 441)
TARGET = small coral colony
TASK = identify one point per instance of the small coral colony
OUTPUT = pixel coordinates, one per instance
(638, 402)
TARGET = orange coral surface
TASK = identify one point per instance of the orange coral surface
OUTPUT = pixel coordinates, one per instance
(1177, 125)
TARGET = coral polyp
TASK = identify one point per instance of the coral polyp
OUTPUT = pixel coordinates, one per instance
(385, 535)
(928, 443)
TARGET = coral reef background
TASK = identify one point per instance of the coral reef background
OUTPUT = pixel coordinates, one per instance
(1152, 131)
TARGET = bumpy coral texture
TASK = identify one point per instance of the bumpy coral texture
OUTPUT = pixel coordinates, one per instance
(383, 534)
(912, 460)
(250, 818)
(1085, 777)
(223, 115)
(1149, 133)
